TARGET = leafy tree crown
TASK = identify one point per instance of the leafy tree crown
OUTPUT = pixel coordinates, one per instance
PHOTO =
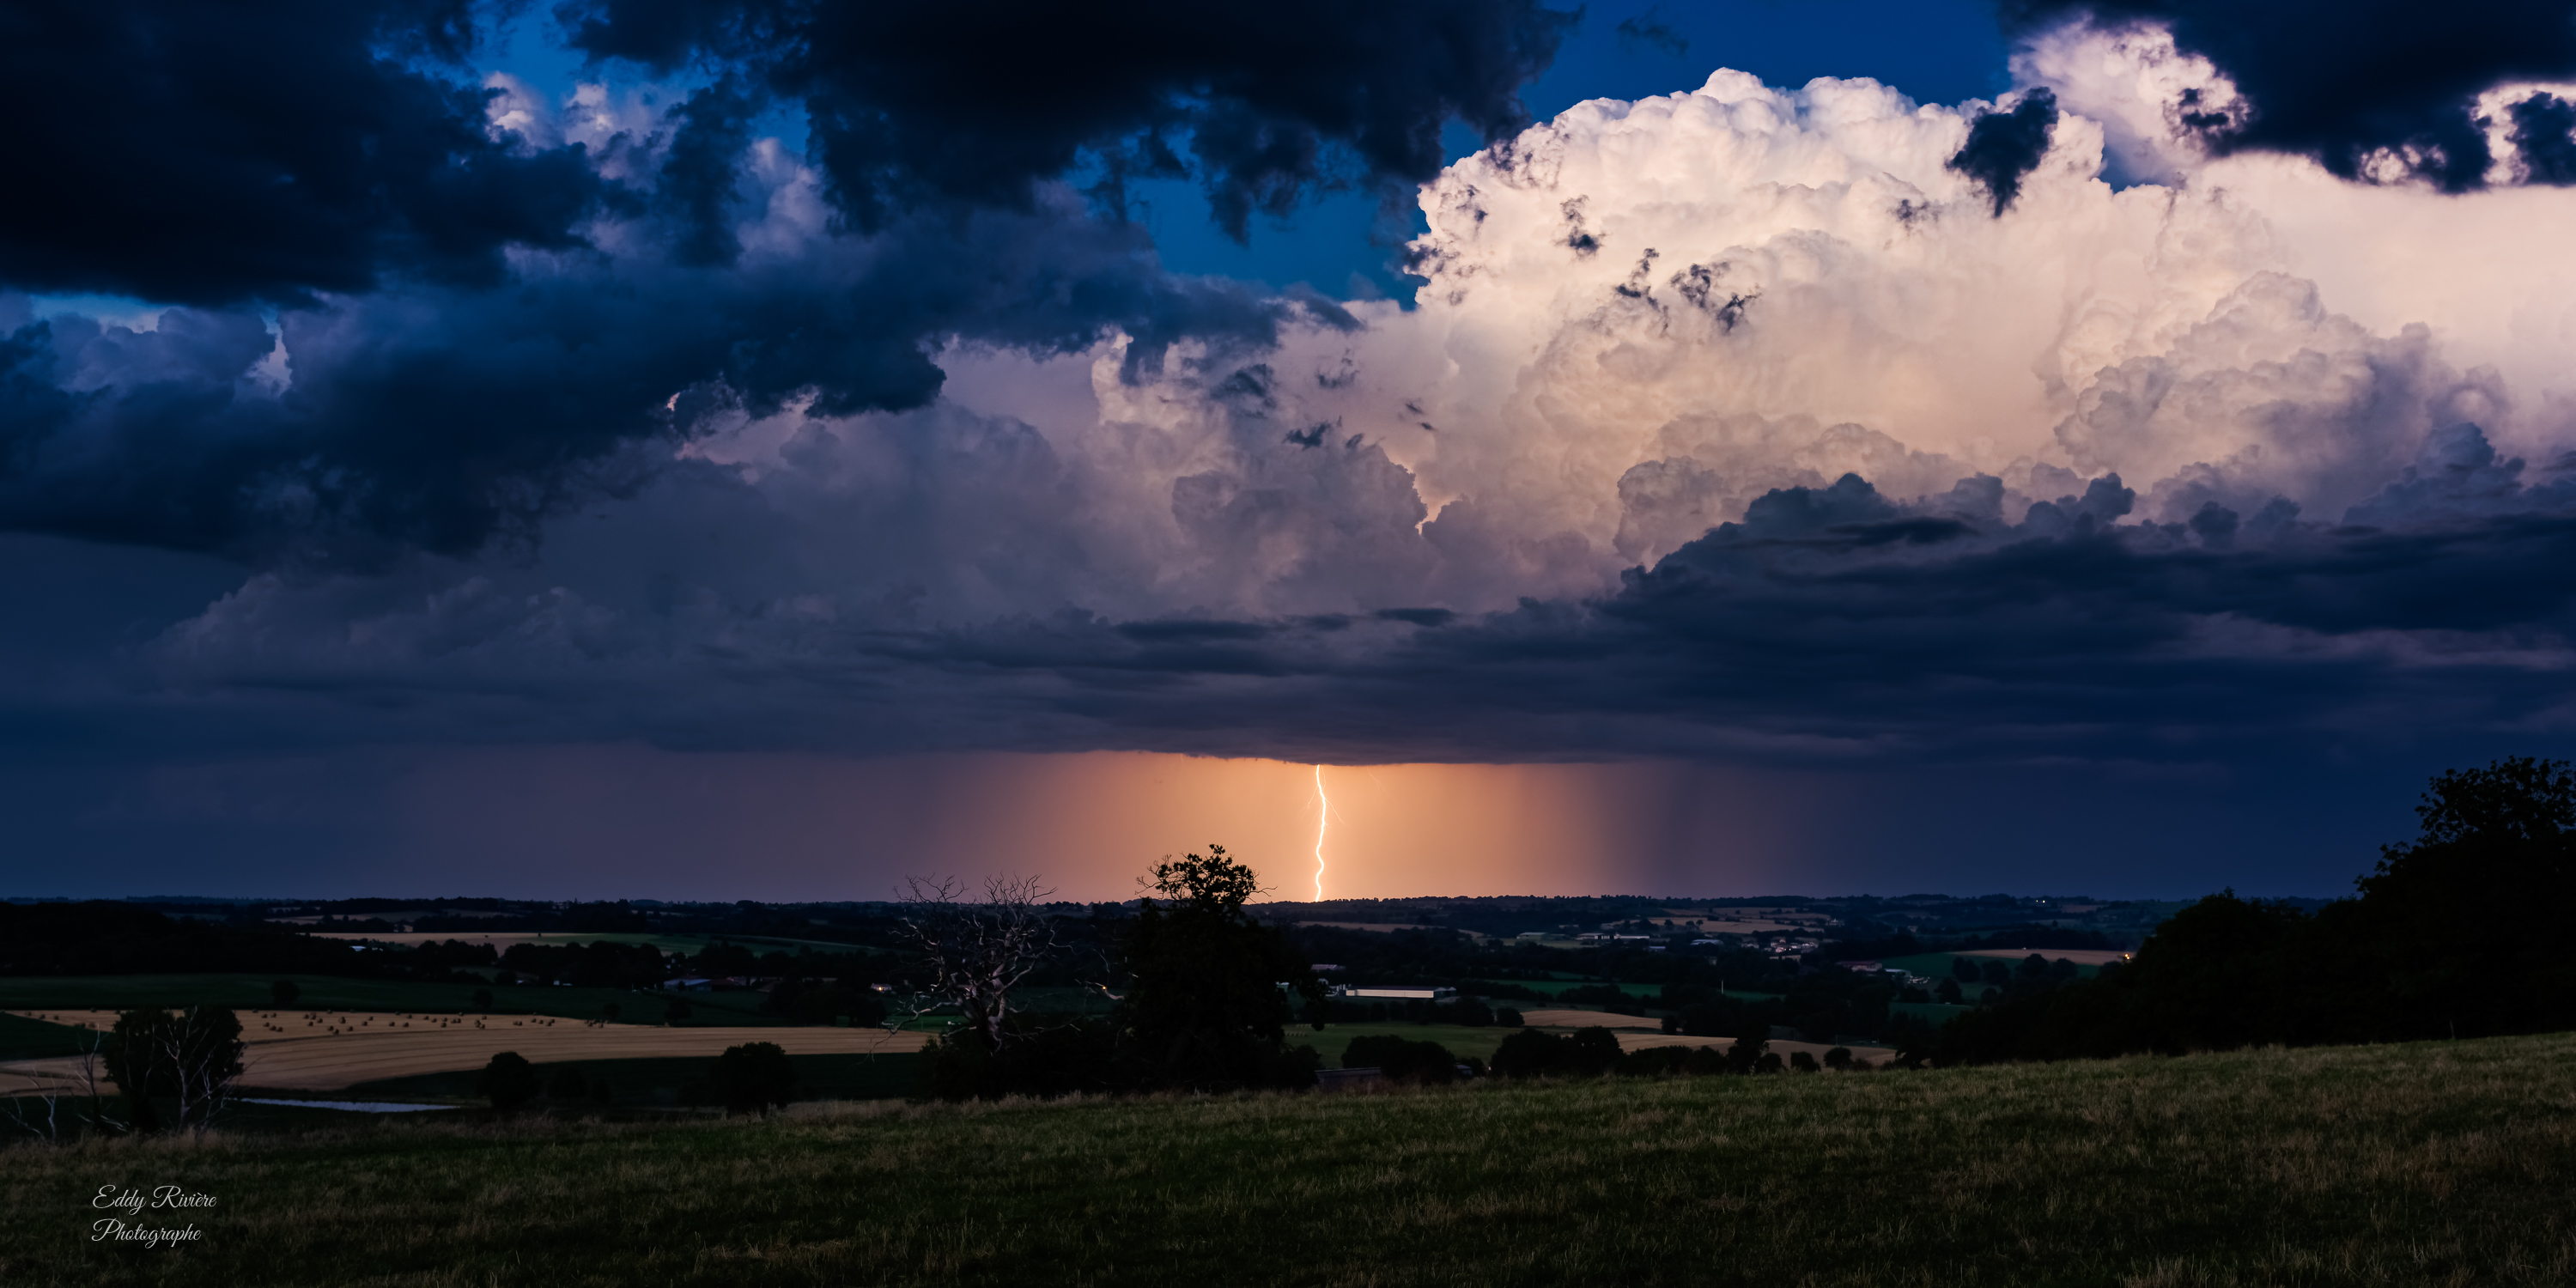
(2519, 797)
(1213, 884)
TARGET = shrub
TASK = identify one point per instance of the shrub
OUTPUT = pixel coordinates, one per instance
(1402, 1060)
(1838, 1058)
(755, 1077)
(1507, 1016)
(509, 1081)
(284, 992)
(1596, 1051)
(1529, 1053)
(1803, 1062)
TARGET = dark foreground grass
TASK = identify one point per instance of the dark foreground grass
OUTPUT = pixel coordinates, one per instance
(2430, 1163)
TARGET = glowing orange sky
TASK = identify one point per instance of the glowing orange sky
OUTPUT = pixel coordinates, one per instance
(675, 825)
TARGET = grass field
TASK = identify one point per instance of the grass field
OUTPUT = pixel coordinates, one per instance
(323, 992)
(1552, 987)
(2398, 1165)
(1934, 1013)
(1461, 1040)
(26, 1039)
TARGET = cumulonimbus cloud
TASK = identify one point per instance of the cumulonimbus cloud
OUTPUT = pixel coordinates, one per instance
(1738, 421)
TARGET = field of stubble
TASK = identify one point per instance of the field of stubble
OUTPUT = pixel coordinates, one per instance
(2427, 1163)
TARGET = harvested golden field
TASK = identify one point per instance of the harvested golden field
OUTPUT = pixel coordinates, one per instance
(1636, 1034)
(328, 1050)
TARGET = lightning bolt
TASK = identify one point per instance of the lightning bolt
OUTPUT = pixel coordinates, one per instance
(1323, 820)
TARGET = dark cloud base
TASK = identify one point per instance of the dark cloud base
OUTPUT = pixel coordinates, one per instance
(2342, 81)
(479, 324)
(1830, 627)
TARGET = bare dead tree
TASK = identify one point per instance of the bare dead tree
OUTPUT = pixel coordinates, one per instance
(977, 950)
(54, 1118)
(202, 1051)
(43, 1120)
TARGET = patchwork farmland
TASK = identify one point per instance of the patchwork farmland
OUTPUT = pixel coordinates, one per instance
(329, 1051)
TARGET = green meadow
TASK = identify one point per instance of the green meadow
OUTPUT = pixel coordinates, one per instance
(2393, 1165)
(1462, 1040)
(1937, 966)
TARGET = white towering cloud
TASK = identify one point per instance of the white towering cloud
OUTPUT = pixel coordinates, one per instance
(1640, 320)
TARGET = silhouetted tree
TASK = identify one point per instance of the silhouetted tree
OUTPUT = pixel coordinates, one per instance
(1751, 1040)
(1209, 992)
(191, 1058)
(976, 951)
(2473, 919)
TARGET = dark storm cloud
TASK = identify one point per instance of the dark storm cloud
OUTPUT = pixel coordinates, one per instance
(913, 102)
(1833, 624)
(439, 392)
(437, 417)
(208, 153)
(2544, 131)
(2004, 146)
(2339, 81)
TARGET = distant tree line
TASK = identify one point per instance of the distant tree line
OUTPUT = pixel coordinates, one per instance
(104, 938)
(2462, 932)
(1585, 1053)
